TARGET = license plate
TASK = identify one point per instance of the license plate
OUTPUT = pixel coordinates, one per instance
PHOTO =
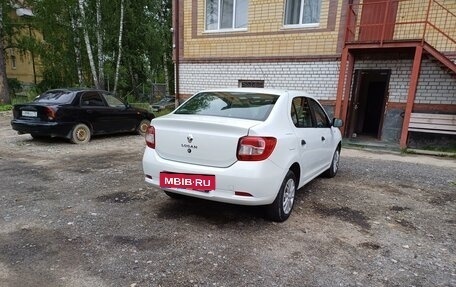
(199, 182)
(29, 114)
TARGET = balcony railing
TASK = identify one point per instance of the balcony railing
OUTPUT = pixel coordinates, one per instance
(386, 21)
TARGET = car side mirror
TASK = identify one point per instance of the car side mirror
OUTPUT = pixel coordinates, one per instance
(337, 123)
(127, 105)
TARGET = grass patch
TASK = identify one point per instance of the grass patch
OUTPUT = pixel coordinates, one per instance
(451, 148)
(162, 112)
(147, 107)
(4, 108)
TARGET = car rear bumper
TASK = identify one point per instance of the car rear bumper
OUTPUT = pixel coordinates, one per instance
(261, 179)
(51, 129)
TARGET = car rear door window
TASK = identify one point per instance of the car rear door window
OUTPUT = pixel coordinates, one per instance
(92, 99)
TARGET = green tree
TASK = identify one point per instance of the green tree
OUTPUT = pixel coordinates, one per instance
(4, 93)
(88, 48)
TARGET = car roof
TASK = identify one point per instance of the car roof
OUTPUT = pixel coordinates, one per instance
(279, 92)
(74, 90)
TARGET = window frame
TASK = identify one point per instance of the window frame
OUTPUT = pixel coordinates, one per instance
(301, 15)
(13, 62)
(219, 11)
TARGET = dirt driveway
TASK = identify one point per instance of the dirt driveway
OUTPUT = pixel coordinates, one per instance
(81, 215)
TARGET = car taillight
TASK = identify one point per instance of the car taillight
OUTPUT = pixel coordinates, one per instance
(150, 137)
(255, 148)
(49, 112)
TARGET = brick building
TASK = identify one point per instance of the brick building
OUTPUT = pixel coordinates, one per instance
(370, 62)
(22, 65)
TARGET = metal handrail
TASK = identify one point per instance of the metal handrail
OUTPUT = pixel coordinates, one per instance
(434, 24)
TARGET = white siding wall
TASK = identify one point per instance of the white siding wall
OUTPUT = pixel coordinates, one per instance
(436, 86)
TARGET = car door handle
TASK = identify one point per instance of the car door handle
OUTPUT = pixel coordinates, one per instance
(303, 142)
(323, 139)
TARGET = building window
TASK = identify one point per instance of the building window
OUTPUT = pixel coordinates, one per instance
(13, 62)
(251, 84)
(226, 14)
(305, 13)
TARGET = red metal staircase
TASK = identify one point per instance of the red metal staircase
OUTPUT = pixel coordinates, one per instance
(424, 26)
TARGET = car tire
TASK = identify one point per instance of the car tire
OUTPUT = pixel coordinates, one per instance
(282, 206)
(80, 134)
(142, 127)
(334, 167)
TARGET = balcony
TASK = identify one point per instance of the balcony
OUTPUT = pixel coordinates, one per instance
(390, 23)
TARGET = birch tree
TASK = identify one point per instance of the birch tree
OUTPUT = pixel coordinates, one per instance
(119, 52)
(88, 44)
(75, 25)
(4, 93)
(98, 32)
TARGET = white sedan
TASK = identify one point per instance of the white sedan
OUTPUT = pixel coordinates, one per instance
(243, 146)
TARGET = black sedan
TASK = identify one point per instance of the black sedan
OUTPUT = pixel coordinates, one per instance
(77, 114)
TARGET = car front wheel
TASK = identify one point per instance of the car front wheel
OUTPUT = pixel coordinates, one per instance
(80, 134)
(282, 206)
(334, 167)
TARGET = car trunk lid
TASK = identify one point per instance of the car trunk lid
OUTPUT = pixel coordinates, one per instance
(201, 140)
(33, 112)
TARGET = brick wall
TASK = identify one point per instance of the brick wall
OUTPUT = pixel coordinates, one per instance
(265, 36)
(317, 78)
(435, 85)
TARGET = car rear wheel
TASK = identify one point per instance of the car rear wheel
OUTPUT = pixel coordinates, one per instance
(80, 134)
(142, 127)
(282, 206)
(332, 170)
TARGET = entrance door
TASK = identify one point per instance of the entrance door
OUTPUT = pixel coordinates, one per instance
(373, 21)
(367, 106)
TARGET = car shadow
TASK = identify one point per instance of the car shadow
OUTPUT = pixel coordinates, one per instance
(211, 212)
(58, 140)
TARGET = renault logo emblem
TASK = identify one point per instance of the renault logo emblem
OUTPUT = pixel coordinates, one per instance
(190, 138)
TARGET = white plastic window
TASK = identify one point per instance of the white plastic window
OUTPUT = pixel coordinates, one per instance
(302, 13)
(226, 15)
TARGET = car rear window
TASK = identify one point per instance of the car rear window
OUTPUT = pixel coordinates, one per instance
(56, 97)
(251, 106)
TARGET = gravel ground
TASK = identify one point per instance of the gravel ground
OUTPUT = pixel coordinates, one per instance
(81, 215)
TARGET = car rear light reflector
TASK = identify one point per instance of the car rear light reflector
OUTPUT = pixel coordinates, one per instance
(252, 148)
(150, 137)
(242, 193)
(50, 113)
